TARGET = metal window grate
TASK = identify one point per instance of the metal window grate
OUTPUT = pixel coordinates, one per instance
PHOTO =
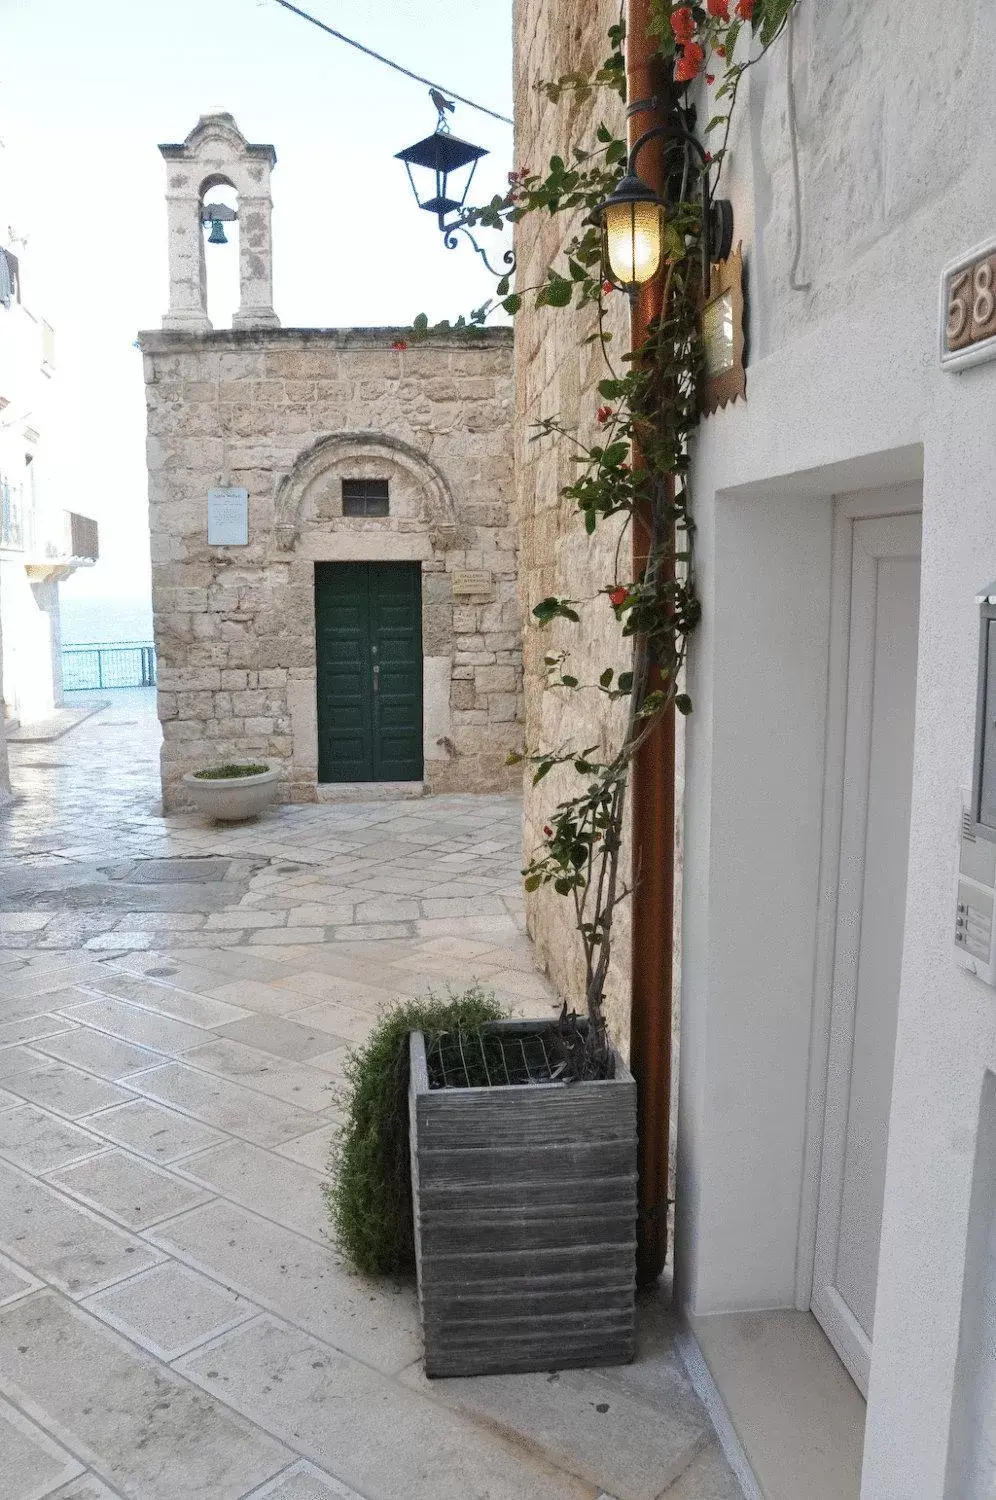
(487, 1059)
(365, 497)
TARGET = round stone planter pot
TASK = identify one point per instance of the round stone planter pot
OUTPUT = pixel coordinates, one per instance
(231, 798)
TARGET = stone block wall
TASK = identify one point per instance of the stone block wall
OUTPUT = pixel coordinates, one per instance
(557, 374)
(286, 414)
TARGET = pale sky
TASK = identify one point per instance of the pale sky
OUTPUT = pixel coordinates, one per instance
(88, 88)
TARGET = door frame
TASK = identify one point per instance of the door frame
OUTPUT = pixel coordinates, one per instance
(823, 1159)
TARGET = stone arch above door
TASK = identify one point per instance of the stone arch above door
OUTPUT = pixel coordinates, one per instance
(299, 502)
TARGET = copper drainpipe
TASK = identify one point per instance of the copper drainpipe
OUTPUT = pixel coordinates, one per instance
(648, 86)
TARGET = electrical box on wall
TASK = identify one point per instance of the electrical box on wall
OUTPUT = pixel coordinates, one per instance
(975, 928)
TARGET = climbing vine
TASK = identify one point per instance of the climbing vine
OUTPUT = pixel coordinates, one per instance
(638, 466)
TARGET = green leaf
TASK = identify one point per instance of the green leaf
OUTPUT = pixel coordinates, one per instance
(503, 287)
(570, 682)
(590, 521)
(563, 885)
(533, 882)
(512, 303)
(625, 682)
(683, 703)
(610, 389)
(542, 770)
(614, 454)
(557, 293)
(549, 609)
(606, 677)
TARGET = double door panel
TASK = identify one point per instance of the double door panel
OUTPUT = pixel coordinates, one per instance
(368, 621)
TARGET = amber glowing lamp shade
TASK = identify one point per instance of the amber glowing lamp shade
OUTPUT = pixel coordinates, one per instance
(633, 225)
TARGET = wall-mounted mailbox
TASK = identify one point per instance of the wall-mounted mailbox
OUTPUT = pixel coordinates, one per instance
(975, 927)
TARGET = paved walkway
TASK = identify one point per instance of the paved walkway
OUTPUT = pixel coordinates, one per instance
(175, 1004)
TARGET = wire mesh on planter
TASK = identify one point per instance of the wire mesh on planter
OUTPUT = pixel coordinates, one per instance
(488, 1059)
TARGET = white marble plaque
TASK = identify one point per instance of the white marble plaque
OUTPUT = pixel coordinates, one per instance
(228, 518)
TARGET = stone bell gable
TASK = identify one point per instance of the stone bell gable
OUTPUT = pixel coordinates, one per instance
(217, 154)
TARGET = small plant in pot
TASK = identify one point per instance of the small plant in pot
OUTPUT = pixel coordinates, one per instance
(232, 791)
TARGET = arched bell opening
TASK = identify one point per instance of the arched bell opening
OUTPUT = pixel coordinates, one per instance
(218, 206)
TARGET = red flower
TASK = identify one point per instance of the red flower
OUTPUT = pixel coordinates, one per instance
(683, 24)
(400, 344)
(618, 595)
(608, 286)
(720, 9)
(708, 156)
(548, 830)
(689, 62)
(720, 51)
(710, 79)
(603, 414)
(745, 9)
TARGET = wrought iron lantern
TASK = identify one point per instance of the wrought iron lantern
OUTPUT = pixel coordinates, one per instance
(442, 160)
(632, 216)
(442, 155)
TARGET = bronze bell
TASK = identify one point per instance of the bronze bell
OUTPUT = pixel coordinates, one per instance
(217, 235)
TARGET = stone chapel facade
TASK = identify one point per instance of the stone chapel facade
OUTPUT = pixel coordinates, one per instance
(367, 631)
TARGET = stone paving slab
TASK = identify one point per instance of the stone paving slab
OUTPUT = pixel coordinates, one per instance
(165, 1139)
(170, 1309)
(191, 1444)
(303, 1282)
(62, 1242)
(32, 1464)
(339, 1411)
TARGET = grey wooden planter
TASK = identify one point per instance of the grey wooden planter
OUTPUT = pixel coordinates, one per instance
(525, 1221)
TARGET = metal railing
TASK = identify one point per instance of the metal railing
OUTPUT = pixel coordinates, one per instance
(118, 664)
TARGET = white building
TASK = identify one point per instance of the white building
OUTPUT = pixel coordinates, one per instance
(837, 1131)
(41, 542)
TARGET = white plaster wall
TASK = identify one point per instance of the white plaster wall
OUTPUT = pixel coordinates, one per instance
(898, 162)
(30, 637)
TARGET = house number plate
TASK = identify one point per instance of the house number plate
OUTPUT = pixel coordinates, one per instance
(968, 309)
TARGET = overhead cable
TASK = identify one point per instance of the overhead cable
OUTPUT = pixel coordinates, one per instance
(379, 56)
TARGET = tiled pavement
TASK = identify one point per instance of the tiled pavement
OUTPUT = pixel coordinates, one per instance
(175, 1004)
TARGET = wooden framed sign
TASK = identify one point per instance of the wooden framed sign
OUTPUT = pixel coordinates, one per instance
(724, 377)
(968, 309)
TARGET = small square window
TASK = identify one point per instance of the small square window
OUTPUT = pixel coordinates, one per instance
(365, 497)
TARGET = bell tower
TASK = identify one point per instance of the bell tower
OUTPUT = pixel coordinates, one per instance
(216, 153)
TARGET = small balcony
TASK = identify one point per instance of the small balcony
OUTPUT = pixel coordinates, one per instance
(71, 541)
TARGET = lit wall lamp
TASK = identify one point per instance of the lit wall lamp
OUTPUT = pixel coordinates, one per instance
(632, 216)
(441, 160)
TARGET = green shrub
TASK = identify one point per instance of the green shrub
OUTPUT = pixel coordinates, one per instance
(369, 1195)
(229, 772)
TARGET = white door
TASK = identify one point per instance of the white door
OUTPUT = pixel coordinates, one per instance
(883, 583)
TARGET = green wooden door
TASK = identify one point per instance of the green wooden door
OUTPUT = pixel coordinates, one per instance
(368, 622)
